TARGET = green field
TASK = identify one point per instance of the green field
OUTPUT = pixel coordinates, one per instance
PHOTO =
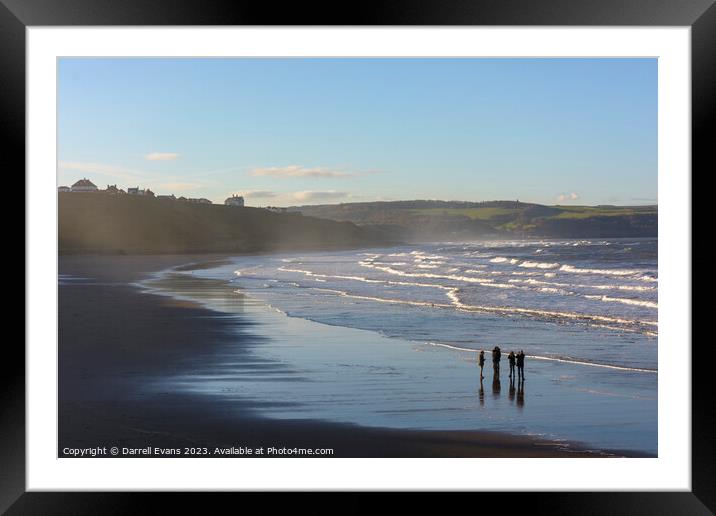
(583, 212)
(487, 213)
(566, 212)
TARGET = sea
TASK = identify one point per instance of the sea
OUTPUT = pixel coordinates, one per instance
(584, 312)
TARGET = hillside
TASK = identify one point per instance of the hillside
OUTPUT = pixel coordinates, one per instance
(442, 220)
(127, 224)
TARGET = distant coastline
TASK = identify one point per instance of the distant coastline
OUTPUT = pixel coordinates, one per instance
(434, 220)
(102, 223)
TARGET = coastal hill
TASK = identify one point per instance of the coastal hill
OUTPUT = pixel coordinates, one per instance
(449, 220)
(97, 222)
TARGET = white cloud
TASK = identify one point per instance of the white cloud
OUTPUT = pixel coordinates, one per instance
(161, 156)
(257, 194)
(568, 197)
(299, 171)
(311, 195)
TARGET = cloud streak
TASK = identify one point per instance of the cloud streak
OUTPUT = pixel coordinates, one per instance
(312, 195)
(258, 194)
(161, 156)
(299, 171)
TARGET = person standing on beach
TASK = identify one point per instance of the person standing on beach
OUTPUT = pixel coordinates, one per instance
(521, 365)
(481, 362)
(496, 359)
(511, 360)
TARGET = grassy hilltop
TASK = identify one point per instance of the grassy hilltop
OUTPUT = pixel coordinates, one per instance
(128, 224)
(430, 220)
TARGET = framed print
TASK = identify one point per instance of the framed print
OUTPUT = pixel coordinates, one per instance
(435, 249)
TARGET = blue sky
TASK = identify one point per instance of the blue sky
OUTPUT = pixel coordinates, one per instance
(311, 131)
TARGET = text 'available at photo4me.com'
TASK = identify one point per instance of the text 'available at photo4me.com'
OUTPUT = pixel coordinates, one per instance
(234, 451)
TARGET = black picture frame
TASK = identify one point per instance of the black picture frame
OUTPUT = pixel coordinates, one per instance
(17, 15)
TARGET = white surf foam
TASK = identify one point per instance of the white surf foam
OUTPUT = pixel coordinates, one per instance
(626, 301)
(538, 265)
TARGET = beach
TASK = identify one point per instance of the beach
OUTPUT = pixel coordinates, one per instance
(151, 361)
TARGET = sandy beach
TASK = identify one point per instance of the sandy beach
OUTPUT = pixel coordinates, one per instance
(118, 342)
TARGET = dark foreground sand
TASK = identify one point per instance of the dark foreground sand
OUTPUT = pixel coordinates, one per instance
(113, 337)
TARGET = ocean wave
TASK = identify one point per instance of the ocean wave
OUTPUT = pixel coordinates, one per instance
(454, 277)
(552, 290)
(366, 280)
(626, 301)
(453, 294)
(502, 259)
(344, 293)
(538, 265)
(608, 272)
(635, 288)
(548, 314)
(424, 256)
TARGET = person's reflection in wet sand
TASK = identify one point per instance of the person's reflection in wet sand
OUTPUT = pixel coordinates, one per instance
(481, 394)
(512, 389)
(521, 394)
(496, 387)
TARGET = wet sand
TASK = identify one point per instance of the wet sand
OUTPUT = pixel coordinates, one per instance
(114, 338)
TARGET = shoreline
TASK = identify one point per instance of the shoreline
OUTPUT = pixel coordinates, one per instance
(145, 335)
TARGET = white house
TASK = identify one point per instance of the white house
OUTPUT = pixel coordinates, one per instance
(84, 185)
(234, 200)
(64, 189)
(136, 191)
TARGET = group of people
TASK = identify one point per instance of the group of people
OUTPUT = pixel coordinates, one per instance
(515, 359)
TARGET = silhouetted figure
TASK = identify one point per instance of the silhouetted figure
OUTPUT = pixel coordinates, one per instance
(520, 358)
(511, 360)
(520, 394)
(512, 389)
(496, 354)
(496, 387)
(481, 362)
